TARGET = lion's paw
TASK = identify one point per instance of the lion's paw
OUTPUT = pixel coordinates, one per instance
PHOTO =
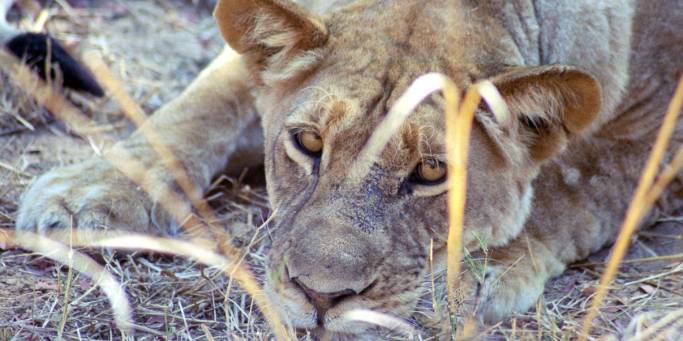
(505, 291)
(499, 292)
(86, 196)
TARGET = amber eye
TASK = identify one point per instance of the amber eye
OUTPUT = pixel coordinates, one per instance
(430, 172)
(309, 142)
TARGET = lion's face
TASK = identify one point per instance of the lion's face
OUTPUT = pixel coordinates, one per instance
(345, 240)
(364, 242)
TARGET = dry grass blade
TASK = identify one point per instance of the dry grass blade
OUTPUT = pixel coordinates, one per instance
(640, 204)
(84, 264)
(379, 319)
(49, 97)
(658, 330)
(494, 100)
(202, 255)
(458, 128)
(667, 175)
(207, 333)
(14, 170)
(67, 296)
(674, 257)
(198, 249)
(46, 95)
(135, 113)
(422, 87)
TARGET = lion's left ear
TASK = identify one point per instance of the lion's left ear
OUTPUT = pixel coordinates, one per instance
(277, 37)
(549, 104)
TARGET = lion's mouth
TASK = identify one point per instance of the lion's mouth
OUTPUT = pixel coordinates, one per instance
(316, 313)
(323, 302)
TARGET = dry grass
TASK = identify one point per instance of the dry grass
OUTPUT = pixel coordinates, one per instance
(175, 297)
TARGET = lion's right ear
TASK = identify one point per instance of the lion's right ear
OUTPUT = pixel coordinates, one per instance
(277, 37)
(549, 104)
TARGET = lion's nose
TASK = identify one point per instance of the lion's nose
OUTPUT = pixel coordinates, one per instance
(330, 265)
(323, 301)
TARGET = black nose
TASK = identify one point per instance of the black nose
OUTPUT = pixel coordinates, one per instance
(323, 301)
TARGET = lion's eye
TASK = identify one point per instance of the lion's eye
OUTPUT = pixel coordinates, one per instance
(430, 172)
(309, 142)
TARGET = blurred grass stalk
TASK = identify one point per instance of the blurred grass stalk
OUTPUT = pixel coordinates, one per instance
(645, 196)
(49, 96)
(134, 112)
(66, 255)
(458, 126)
(458, 131)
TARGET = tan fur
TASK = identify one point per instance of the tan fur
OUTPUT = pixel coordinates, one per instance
(587, 83)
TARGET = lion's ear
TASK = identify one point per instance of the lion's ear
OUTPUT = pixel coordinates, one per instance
(549, 104)
(273, 35)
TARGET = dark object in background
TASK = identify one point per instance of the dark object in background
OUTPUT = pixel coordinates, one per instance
(35, 48)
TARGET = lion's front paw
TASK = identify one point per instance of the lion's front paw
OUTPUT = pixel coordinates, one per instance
(86, 196)
(508, 280)
(504, 291)
(493, 293)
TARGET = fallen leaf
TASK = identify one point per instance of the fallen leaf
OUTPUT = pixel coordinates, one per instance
(648, 289)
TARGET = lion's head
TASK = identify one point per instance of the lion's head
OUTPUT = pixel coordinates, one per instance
(342, 241)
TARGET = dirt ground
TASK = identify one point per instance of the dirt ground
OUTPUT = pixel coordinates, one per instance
(156, 48)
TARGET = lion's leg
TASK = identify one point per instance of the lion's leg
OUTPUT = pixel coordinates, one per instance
(512, 278)
(202, 128)
(210, 122)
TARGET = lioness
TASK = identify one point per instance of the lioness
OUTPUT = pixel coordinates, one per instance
(586, 82)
